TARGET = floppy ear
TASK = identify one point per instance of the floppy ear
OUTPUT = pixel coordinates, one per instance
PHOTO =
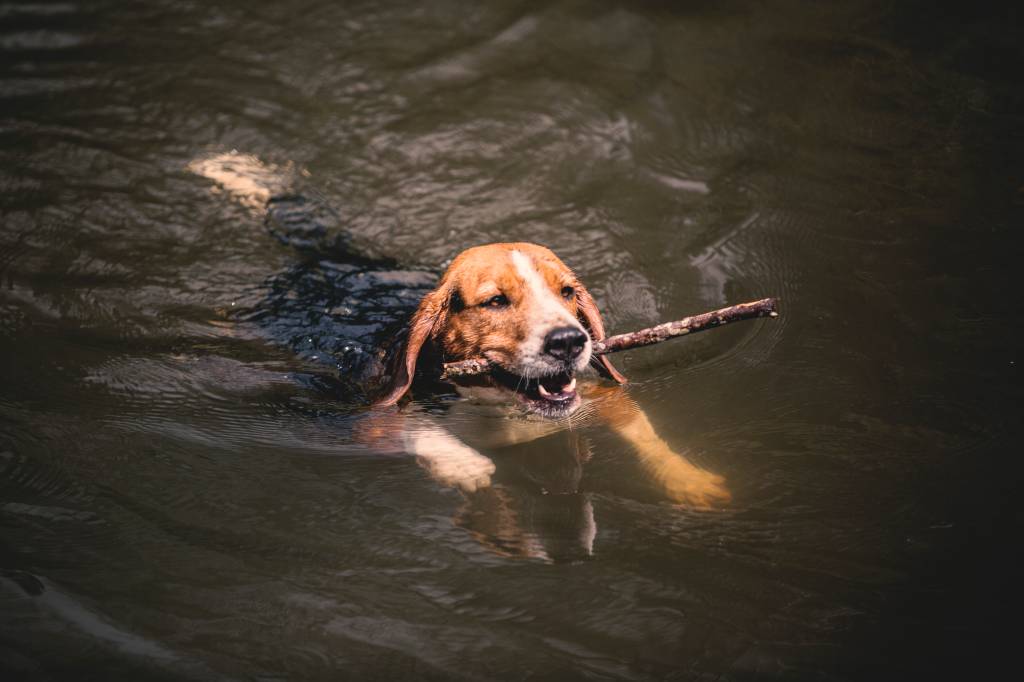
(588, 314)
(425, 322)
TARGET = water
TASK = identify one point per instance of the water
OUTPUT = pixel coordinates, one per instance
(182, 495)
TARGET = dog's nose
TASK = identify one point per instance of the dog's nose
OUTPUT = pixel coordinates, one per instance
(565, 343)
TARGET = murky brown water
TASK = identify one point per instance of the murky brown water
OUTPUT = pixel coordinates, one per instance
(181, 495)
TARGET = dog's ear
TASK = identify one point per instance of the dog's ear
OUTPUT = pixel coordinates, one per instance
(426, 322)
(589, 315)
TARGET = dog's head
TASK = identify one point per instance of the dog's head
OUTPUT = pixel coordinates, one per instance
(520, 307)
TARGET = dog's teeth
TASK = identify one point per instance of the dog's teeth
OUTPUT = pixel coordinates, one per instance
(571, 387)
(543, 391)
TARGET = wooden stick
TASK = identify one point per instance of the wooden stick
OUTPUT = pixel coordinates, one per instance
(766, 307)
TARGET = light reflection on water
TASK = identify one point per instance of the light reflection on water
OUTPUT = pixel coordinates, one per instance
(184, 496)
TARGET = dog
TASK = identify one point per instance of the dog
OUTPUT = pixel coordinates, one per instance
(515, 304)
(520, 307)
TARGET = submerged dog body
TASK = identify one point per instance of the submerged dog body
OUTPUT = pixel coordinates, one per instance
(516, 304)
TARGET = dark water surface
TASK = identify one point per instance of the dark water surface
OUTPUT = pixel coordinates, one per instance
(180, 497)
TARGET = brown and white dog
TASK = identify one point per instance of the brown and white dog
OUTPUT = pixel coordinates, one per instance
(519, 306)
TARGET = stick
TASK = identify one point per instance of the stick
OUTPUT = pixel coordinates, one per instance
(645, 337)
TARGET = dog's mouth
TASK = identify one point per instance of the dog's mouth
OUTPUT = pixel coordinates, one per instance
(553, 395)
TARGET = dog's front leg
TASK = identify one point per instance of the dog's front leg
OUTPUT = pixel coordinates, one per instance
(682, 480)
(448, 460)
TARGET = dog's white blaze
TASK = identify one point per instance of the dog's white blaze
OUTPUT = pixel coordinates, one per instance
(544, 314)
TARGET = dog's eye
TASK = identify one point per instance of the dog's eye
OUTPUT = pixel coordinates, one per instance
(499, 301)
(568, 292)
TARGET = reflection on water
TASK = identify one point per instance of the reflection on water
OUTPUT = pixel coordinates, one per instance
(536, 507)
(185, 492)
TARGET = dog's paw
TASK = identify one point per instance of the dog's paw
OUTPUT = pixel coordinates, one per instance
(694, 487)
(449, 460)
(460, 467)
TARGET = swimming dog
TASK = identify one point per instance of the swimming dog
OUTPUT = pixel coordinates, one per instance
(515, 304)
(520, 307)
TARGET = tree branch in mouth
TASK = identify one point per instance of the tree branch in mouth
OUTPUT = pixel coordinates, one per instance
(766, 307)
